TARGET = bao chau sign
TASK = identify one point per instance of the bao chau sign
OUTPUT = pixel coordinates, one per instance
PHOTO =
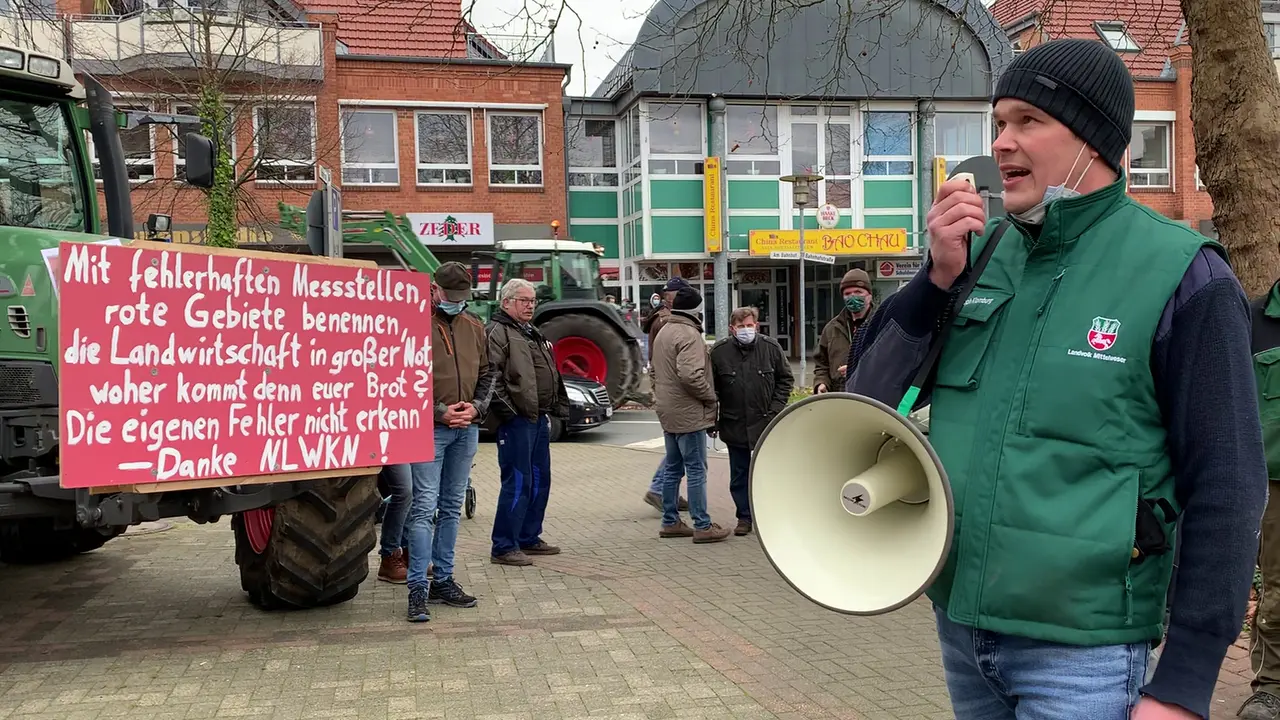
(444, 229)
(889, 241)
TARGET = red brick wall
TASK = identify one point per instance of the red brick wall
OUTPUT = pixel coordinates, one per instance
(367, 80)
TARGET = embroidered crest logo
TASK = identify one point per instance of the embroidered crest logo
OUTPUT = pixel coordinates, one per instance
(1102, 334)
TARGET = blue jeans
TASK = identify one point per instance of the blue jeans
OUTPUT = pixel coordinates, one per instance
(991, 676)
(524, 461)
(395, 533)
(686, 456)
(439, 485)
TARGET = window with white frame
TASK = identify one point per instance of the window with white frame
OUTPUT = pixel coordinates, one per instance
(138, 144)
(515, 148)
(676, 137)
(753, 141)
(887, 147)
(1149, 156)
(631, 160)
(822, 143)
(370, 148)
(180, 137)
(285, 143)
(957, 136)
(1272, 31)
(593, 152)
(444, 147)
(1116, 36)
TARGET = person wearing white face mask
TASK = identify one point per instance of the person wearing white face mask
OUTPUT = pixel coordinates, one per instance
(1094, 405)
(753, 382)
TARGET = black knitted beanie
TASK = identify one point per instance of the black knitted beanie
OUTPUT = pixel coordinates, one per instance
(1084, 85)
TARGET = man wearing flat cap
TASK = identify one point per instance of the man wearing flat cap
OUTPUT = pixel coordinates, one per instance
(1094, 405)
(462, 386)
(839, 334)
(659, 317)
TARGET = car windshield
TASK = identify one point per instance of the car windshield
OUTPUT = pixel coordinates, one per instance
(40, 183)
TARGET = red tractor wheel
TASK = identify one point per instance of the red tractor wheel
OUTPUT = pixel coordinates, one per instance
(587, 346)
(579, 356)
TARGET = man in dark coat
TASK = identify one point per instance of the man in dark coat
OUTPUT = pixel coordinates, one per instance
(838, 336)
(753, 382)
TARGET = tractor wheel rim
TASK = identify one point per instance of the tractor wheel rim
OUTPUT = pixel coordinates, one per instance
(582, 357)
(257, 524)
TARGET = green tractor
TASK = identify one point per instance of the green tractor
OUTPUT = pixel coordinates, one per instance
(298, 544)
(592, 338)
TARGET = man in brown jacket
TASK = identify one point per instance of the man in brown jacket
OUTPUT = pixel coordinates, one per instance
(529, 392)
(687, 408)
(661, 314)
(462, 386)
(829, 370)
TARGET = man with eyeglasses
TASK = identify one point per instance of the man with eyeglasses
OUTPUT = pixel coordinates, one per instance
(529, 392)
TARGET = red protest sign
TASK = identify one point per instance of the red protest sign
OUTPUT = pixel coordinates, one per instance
(198, 364)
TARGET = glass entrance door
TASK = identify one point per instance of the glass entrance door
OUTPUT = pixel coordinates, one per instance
(765, 299)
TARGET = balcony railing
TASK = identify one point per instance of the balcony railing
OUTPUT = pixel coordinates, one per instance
(131, 36)
(511, 48)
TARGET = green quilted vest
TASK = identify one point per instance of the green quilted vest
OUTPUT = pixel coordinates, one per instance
(1266, 368)
(1044, 414)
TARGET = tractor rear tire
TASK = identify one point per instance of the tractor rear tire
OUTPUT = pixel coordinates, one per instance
(621, 371)
(37, 541)
(318, 551)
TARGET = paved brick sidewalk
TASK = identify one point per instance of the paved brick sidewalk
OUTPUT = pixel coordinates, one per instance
(622, 625)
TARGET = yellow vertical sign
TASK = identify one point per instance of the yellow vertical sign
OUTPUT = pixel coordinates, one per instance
(711, 206)
(939, 173)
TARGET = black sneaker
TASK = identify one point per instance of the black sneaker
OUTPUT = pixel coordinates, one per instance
(418, 611)
(449, 592)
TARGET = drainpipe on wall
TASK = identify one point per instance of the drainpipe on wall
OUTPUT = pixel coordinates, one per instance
(567, 104)
(925, 126)
(720, 270)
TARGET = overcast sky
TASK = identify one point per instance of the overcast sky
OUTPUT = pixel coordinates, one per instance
(594, 43)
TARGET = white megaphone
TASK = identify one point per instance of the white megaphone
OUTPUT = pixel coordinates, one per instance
(850, 503)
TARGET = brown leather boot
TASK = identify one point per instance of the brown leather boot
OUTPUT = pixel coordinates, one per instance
(679, 530)
(744, 528)
(394, 568)
(714, 533)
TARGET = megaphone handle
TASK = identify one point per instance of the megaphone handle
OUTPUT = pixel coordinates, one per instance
(957, 300)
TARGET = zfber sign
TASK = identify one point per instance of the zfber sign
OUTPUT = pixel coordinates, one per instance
(452, 228)
(179, 365)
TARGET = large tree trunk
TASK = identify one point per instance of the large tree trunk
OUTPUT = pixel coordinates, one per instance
(1235, 95)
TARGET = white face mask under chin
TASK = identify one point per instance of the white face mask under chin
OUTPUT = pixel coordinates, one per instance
(1035, 215)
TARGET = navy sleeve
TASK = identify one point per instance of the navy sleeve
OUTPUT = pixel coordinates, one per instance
(1203, 370)
(893, 345)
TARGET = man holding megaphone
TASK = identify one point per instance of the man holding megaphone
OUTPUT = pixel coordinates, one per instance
(1093, 389)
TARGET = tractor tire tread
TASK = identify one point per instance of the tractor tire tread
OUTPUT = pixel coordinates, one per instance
(318, 554)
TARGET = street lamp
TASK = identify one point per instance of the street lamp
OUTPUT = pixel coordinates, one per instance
(801, 195)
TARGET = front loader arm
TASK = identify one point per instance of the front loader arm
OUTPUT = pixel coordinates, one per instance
(389, 230)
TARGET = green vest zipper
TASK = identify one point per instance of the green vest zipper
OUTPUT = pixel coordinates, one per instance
(1035, 346)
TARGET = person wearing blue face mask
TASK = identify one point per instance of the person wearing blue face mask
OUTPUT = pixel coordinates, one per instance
(462, 385)
(753, 383)
(1095, 407)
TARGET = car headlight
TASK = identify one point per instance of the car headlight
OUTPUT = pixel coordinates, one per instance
(577, 395)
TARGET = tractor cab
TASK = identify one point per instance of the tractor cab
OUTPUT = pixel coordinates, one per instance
(558, 269)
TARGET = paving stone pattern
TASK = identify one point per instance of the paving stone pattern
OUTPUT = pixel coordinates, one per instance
(622, 626)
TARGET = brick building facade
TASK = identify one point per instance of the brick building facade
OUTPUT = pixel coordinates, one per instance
(410, 109)
(1151, 37)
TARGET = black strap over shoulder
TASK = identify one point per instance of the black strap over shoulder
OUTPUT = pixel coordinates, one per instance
(958, 296)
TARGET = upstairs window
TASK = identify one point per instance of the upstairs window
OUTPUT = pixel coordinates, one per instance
(753, 141)
(1116, 36)
(370, 148)
(286, 143)
(515, 149)
(593, 152)
(887, 144)
(1149, 156)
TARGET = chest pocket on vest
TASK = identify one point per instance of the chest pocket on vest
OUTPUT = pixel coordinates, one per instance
(961, 364)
